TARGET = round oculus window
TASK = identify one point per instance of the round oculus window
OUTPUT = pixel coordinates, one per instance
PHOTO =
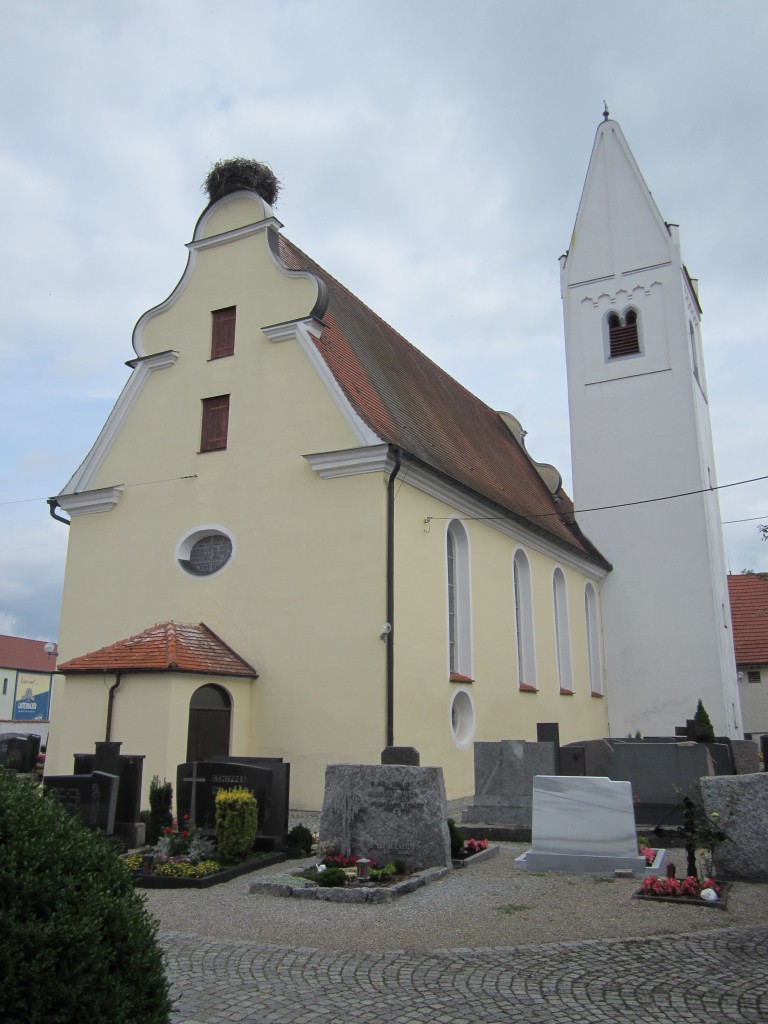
(462, 718)
(205, 551)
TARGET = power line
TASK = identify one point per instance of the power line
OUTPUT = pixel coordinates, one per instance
(139, 483)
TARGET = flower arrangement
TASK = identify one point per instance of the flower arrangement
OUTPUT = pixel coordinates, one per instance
(472, 846)
(690, 887)
(182, 844)
(649, 854)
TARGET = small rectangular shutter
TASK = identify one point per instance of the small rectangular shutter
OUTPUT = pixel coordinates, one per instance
(215, 423)
(223, 339)
(624, 341)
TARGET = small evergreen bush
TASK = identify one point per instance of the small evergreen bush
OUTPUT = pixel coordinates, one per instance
(300, 837)
(237, 822)
(160, 809)
(704, 730)
(76, 942)
(331, 878)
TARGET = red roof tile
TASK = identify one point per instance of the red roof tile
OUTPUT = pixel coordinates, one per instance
(29, 655)
(166, 647)
(409, 402)
(749, 615)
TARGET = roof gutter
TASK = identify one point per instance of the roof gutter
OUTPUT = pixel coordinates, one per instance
(389, 630)
(52, 506)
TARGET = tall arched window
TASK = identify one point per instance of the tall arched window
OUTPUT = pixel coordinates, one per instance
(526, 661)
(210, 710)
(562, 637)
(593, 640)
(458, 601)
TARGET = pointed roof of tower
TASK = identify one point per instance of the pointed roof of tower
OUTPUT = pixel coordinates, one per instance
(166, 647)
(618, 225)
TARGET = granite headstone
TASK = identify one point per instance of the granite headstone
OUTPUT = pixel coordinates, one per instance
(504, 774)
(386, 811)
(91, 798)
(741, 805)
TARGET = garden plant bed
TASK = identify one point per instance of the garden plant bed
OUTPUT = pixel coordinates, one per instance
(293, 885)
(254, 863)
(473, 858)
(690, 901)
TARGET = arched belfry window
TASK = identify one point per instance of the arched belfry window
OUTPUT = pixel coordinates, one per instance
(458, 601)
(210, 710)
(623, 335)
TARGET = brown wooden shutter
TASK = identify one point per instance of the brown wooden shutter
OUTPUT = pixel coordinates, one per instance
(215, 423)
(624, 340)
(223, 337)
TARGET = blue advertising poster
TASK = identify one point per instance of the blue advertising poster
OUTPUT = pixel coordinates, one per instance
(33, 697)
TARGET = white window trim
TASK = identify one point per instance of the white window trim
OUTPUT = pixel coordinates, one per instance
(525, 645)
(592, 626)
(187, 541)
(562, 631)
(461, 701)
(462, 661)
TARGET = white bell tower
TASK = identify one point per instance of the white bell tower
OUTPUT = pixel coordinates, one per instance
(640, 434)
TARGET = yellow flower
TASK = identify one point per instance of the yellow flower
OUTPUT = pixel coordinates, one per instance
(714, 814)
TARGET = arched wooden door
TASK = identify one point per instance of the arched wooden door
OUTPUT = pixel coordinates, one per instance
(210, 710)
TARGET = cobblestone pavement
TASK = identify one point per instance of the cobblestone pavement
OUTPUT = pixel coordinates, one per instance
(711, 976)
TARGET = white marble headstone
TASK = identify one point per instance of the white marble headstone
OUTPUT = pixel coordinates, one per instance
(582, 824)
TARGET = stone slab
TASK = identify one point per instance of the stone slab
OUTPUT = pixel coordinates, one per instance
(741, 803)
(386, 811)
(504, 774)
(658, 773)
(745, 756)
(91, 798)
(582, 825)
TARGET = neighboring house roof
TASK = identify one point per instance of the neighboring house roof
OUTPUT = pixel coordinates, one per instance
(749, 616)
(166, 647)
(409, 402)
(29, 655)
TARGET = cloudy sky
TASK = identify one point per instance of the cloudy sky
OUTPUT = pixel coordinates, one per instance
(432, 155)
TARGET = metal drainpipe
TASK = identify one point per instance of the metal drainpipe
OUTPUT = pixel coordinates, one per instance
(110, 701)
(390, 638)
(52, 506)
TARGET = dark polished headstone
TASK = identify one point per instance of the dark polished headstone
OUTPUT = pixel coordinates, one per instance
(91, 798)
(549, 732)
(764, 751)
(18, 751)
(267, 778)
(129, 769)
(572, 761)
(400, 755)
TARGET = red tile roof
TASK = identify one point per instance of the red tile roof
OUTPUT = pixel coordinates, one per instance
(166, 647)
(29, 655)
(749, 616)
(409, 402)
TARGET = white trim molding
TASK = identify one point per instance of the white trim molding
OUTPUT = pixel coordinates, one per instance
(351, 461)
(103, 499)
(86, 473)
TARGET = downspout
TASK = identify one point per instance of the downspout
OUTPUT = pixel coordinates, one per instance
(52, 506)
(390, 633)
(110, 702)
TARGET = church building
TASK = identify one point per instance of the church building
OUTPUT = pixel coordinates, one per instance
(296, 536)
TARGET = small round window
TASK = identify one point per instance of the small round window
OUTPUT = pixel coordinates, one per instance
(205, 551)
(462, 718)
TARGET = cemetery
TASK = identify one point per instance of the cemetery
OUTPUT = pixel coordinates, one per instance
(604, 807)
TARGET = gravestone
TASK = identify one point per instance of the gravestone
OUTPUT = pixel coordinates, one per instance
(504, 774)
(386, 811)
(741, 805)
(745, 756)
(91, 798)
(274, 800)
(764, 750)
(549, 732)
(659, 773)
(19, 750)
(198, 782)
(129, 769)
(573, 760)
(400, 755)
(598, 757)
(583, 826)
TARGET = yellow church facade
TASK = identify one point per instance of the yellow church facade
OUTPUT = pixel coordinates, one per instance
(350, 550)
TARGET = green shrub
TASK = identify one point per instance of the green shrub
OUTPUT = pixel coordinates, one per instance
(457, 838)
(160, 809)
(300, 837)
(331, 878)
(704, 730)
(76, 942)
(237, 822)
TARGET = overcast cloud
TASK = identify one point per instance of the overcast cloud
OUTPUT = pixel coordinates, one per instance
(432, 154)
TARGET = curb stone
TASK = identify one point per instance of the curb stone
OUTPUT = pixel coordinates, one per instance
(301, 889)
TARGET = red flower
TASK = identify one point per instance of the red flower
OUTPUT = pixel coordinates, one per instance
(169, 831)
(185, 833)
(185, 818)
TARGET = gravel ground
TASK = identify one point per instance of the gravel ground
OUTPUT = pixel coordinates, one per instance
(489, 904)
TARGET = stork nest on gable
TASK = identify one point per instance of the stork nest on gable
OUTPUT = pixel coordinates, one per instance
(239, 172)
